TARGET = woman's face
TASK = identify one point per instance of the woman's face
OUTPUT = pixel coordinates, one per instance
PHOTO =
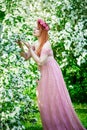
(37, 32)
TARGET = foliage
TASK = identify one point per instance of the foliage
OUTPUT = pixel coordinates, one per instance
(72, 47)
(18, 77)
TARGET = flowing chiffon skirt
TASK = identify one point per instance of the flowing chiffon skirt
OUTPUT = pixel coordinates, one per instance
(56, 110)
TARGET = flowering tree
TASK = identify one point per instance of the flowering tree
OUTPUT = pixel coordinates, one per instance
(68, 36)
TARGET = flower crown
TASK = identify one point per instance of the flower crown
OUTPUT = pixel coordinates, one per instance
(44, 24)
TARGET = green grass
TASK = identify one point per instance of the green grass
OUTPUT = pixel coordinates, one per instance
(35, 125)
(81, 110)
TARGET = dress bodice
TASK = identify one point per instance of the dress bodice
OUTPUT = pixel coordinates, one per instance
(46, 50)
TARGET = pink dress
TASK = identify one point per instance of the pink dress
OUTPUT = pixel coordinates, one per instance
(54, 102)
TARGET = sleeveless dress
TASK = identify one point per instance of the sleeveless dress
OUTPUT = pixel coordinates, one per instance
(56, 110)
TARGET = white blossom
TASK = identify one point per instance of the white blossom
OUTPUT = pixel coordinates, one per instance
(12, 58)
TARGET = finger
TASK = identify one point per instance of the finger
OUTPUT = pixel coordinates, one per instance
(27, 45)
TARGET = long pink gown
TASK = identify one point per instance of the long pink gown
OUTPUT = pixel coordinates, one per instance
(56, 110)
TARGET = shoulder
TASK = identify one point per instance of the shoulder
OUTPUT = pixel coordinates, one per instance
(47, 45)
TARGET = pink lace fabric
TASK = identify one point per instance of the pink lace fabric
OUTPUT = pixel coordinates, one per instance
(55, 106)
(47, 51)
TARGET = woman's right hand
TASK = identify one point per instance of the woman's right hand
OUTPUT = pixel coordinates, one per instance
(24, 54)
(20, 45)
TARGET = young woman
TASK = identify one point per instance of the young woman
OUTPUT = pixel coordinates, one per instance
(54, 102)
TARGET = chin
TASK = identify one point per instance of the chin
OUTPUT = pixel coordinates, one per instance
(35, 35)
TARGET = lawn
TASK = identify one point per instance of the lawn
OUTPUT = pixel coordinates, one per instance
(81, 110)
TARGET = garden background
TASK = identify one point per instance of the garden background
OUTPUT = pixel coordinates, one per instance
(68, 36)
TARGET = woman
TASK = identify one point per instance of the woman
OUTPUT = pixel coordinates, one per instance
(54, 102)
